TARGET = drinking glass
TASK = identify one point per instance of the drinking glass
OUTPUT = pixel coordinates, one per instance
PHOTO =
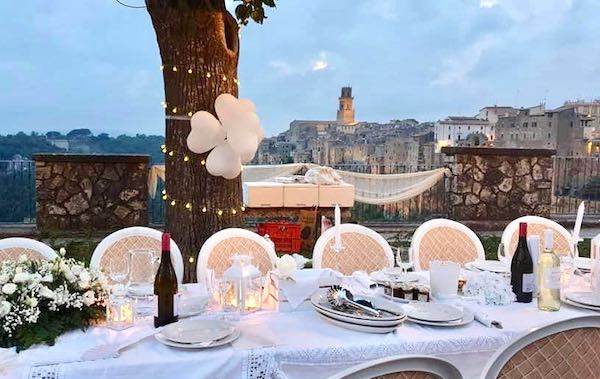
(401, 251)
(443, 278)
(143, 270)
(118, 267)
(566, 271)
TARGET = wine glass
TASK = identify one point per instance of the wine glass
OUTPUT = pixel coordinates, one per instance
(400, 250)
(118, 267)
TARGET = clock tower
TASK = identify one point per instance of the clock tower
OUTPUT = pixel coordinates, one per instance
(345, 113)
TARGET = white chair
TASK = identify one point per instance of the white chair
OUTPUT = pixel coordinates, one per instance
(217, 251)
(444, 240)
(403, 367)
(12, 248)
(363, 250)
(123, 241)
(563, 350)
(563, 241)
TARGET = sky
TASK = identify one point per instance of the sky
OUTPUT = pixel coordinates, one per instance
(94, 64)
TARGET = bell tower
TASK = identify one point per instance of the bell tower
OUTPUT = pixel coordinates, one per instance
(345, 113)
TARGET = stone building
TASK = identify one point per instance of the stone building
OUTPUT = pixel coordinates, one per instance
(453, 129)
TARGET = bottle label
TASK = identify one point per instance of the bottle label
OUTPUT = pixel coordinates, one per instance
(528, 283)
(552, 277)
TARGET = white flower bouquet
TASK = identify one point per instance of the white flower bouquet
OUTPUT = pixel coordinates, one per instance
(490, 288)
(39, 301)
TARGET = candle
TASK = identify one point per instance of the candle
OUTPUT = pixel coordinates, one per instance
(338, 222)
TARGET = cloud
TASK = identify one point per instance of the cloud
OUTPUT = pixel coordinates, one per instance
(282, 67)
(456, 68)
(488, 3)
(321, 63)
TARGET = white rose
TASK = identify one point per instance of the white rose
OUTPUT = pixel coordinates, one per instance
(21, 277)
(47, 293)
(36, 278)
(47, 278)
(18, 270)
(5, 307)
(286, 266)
(3, 278)
(22, 258)
(9, 288)
(62, 251)
(76, 269)
(31, 301)
(89, 298)
(85, 276)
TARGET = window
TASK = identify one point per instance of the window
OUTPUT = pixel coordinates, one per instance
(459, 137)
(550, 124)
(571, 124)
(448, 136)
(549, 135)
(524, 124)
(534, 124)
(533, 136)
(469, 127)
(501, 136)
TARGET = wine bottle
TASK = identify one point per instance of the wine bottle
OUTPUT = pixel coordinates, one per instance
(165, 287)
(522, 278)
(549, 276)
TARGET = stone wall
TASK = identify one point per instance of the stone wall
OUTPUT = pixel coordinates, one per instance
(102, 192)
(493, 184)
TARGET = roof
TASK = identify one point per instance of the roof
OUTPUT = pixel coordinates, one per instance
(464, 120)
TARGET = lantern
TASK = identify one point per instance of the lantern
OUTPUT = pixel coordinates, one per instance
(119, 311)
(244, 284)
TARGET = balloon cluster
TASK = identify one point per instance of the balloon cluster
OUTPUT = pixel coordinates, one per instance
(233, 138)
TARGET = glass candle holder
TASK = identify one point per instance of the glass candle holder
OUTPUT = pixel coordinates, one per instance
(119, 312)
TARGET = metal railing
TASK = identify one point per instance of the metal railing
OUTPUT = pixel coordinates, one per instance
(576, 179)
(17, 192)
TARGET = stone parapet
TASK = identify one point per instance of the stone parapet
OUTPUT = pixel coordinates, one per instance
(104, 192)
(499, 184)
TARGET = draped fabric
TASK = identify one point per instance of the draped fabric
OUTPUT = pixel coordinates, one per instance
(377, 189)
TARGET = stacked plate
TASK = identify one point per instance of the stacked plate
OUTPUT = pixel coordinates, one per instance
(435, 314)
(392, 314)
(488, 265)
(583, 264)
(394, 274)
(587, 300)
(197, 334)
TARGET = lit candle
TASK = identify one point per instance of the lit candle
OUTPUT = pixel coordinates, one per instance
(337, 215)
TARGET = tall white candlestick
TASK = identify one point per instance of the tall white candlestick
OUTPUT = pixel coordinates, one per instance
(338, 222)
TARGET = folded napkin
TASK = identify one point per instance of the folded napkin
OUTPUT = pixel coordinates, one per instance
(359, 283)
(302, 284)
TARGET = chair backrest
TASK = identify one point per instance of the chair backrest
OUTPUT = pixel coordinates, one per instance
(563, 241)
(363, 250)
(12, 248)
(217, 251)
(403, 367)
(563, 350)
(594, 244)
(444, 240)
(123, 241)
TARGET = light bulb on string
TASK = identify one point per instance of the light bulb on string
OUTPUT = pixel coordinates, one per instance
(190, 71)
(190, 114)
(203, 209)
(173, 202)
(219, 212)
(162, 67)
(188, 205)
(174, 110)
(208, 74)
(174, 68)
(233, 211)
(224, 78)
(186, 158)
(171, 153)
(203, 162)
(191, 260)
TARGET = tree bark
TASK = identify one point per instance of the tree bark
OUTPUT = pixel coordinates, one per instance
(202, 36)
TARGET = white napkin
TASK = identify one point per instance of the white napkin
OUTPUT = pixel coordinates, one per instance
(302, 285)
(8, 360)
(360, 283)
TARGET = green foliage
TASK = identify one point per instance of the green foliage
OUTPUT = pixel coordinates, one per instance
(252, 9)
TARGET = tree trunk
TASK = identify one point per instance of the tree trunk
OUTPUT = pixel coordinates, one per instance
(201, 36)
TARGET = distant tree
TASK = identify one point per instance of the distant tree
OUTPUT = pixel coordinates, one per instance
(53, 135)
(103, 136)
(79, 133)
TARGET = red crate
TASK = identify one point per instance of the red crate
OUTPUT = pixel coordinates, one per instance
(285, 235)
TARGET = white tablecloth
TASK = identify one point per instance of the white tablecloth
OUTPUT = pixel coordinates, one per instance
(288, 345)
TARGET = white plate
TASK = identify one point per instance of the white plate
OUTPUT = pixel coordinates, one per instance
(319, 300)
(433, 312)
(579, 305)
(492, 266)
(585, 298)
(352, 320)
(394, 274)
(197, 331)
(467, 318)
(359, 328)
(230, 338)
(584, 264)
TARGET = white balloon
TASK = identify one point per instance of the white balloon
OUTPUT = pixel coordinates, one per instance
(227, 108)
(232, 172)
(205, 134)
(222, 159)
(248, 157)
(244, 142)
(246, 105)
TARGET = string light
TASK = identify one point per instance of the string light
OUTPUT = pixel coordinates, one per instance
(174, 110)
(171, 153)
(186, 158)
(204, 209)
(162, 67)
(207, 74)
(189, 205)
(190, 71)
(224, 78)
(191, 260)
(233, 211)
(174, 68)
(173, 202)
(203, 162)
(220, 212)
(190, 114)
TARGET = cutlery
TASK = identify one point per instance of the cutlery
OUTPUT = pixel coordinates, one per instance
(338, 296)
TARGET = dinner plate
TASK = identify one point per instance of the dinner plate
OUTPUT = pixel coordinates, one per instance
(490, 265)
(585, 298)
(352, 320)
(223, 341)
(197, 331)
(579, 305)
(467, 318)
(433, 312)
(359, 328)
(319, 300)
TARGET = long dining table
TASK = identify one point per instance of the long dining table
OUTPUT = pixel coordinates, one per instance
(273, 344)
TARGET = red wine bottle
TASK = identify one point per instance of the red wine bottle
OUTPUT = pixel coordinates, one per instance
(165, 287)
(522, 278)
